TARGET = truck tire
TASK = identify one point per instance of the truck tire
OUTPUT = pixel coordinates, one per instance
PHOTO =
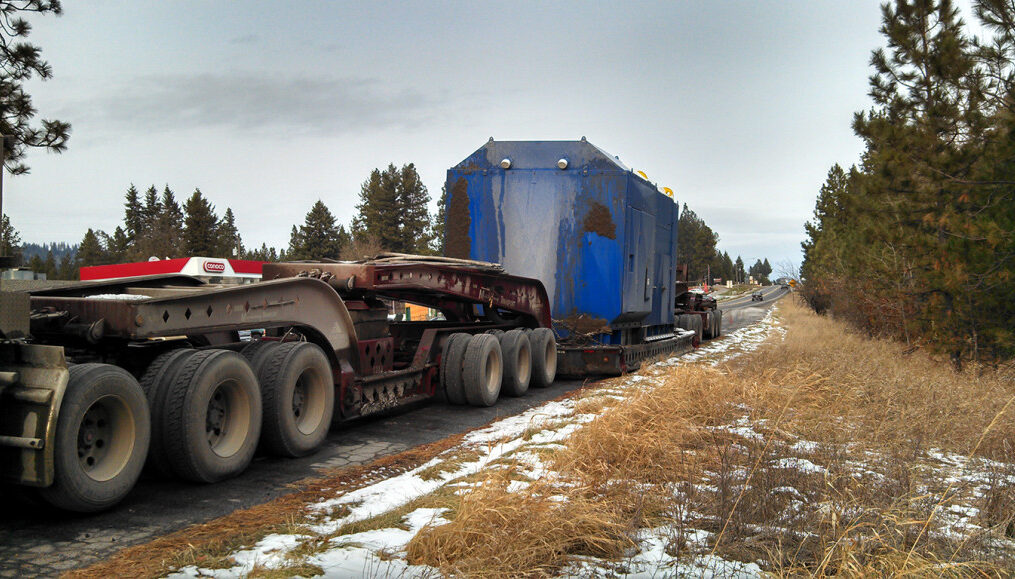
(298, 398)
(102, 436)
(543, 345)
(212, 417)
(483, 370)
(517, 351)
(696, 325)
(709, 327)
(155, 383)
(718, 324)
(452, 361)
(256, 352)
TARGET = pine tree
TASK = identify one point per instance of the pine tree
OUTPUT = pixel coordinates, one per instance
(296, 245)
(10, 240)
(413, 203)
(919, 237)
(393, 211)
(438, 227)
(728, 271)
(151, 210)
(90, 252)
(170, 223)
(378, 209)
(67, 269)
(200, 234)
(36, 264)
(738, 271)
(133, 214)
(21, 62)
(696, 244)
(117, 246)
(319, 237)
(229, 242)
(49, 266)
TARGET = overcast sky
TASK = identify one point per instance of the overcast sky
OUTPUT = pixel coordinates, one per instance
(739, 107)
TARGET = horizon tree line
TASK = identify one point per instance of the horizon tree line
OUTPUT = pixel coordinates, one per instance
(392, 216)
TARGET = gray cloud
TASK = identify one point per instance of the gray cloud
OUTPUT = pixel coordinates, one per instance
(248, 103)
(245, 39)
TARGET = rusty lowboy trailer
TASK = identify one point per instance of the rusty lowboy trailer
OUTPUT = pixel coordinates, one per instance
(163, 376)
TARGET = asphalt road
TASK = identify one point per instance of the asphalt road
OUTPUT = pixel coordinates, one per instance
(37, 541)
(742, 311)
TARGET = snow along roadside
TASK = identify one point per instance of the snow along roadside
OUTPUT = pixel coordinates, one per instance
(381, 552)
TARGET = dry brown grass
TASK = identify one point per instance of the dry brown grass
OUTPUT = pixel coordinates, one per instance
(684, 455)
(210, 544)
(873, 392)
(496, 533)
(672, 455)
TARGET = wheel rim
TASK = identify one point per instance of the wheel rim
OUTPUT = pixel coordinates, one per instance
(524, 364)
(493, 371)
(227, 420)
(308, 403)
(105, 438)
(550, 355)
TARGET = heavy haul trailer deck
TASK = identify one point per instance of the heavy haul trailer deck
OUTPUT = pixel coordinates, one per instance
(161, 376)
(601, 238)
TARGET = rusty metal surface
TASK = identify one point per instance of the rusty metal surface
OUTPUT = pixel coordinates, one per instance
(195, 309)
(430, 284)
(590, 361)
(458, 242)
(376, 356)
(29, 409)
(615, 360)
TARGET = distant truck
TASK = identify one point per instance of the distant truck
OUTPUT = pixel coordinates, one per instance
(695, 310)
(99, 379)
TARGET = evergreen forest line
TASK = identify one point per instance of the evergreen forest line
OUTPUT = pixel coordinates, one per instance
(391, 215)
(917, 240)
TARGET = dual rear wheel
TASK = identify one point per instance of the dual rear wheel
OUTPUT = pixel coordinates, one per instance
(213, 407)
(477, 369)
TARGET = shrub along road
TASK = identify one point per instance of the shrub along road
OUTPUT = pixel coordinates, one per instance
(35, 540)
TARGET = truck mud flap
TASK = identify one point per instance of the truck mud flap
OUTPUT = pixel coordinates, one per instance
(33, 380)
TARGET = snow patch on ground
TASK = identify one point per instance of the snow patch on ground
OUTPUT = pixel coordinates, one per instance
(380, 552)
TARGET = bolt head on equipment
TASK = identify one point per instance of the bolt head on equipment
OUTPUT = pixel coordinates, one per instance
(562, 164)
(505, 163)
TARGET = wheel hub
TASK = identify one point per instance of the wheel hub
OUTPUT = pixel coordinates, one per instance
(94, 436)
(215, 420)
(299, 399)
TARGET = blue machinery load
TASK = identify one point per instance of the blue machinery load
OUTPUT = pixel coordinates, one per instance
(601, 238)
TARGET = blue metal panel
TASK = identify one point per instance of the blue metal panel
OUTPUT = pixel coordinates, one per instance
(601, 239)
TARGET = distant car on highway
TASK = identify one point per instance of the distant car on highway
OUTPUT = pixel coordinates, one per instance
(757, 297)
